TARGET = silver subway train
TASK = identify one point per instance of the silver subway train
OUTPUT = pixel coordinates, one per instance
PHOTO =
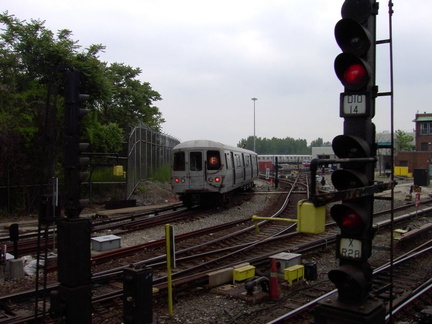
(206, 172)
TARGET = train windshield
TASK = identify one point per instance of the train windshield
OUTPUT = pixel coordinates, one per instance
(179, 161)
(213, 160)
(195, 159)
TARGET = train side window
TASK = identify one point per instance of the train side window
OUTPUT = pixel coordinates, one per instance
(179, 161)
(213, 160)
(238, 160)
(195, 161)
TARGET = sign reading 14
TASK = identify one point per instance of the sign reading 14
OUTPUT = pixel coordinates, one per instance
(354, 104)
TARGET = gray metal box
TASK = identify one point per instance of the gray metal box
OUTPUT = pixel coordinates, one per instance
(106, 242)
(286, 260)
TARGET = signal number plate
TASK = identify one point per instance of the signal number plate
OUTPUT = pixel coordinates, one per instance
(350, 248)
(353, 105)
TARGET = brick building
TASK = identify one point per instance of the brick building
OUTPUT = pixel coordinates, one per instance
(421, 158)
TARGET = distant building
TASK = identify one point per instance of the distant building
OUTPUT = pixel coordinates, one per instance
(324, 152)
(383, 154)
(383, 140)
(421, 158)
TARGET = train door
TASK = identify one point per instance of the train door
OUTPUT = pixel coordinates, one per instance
(196, 172)
(244, 167)
(228, 168)
(233, 168)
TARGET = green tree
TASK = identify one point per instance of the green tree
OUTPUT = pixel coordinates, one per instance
(131, 101)
(275, 145)
(319, 142)
(28, 55)
(403, 141)
(32, 59)
(106, 138)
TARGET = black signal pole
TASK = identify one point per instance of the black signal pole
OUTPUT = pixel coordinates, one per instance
(72, 301)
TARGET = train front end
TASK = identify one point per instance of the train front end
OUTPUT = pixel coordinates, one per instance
(197, 174)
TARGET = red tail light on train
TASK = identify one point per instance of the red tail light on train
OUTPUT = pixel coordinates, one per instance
(216, 179)
(178, 180)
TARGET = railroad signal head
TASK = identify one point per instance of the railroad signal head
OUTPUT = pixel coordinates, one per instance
(73, 161)
(355, 35)
(358, 10)
(352, 37)
(351, 218)
(355, 68)
(353, 72)
(352, 282)
(352, 175)
(348, 146)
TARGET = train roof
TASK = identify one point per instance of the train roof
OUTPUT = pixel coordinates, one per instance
(284, 155)
(210, 144)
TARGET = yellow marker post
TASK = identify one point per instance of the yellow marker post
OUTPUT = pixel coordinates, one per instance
(168, 230)
(310, 219)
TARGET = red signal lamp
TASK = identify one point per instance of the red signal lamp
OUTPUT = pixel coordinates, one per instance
(349, 218)
(355, 74)
(352, 71)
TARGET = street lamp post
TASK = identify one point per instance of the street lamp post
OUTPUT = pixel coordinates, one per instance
(254, 148)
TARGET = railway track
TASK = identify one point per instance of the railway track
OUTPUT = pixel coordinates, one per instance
(97, 276)
(224, 251)
(406, 286)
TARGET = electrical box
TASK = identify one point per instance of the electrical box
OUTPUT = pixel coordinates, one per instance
(310, 219)
(294, 273)
(285, 260)
(137, 296)
(400, 171)
(118, 170)
(243, 273)
(106, 242)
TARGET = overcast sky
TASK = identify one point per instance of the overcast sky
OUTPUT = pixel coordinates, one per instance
(207, 59)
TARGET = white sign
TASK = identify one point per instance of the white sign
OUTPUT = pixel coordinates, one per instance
(350, 248)
(354, 104)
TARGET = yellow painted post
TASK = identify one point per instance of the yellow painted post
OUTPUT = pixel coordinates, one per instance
(169, 276)
(256, 218)
(311, 219)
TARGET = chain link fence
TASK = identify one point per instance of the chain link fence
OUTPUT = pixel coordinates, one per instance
(147, 152)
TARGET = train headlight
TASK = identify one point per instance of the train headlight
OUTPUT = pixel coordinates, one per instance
(210, 179)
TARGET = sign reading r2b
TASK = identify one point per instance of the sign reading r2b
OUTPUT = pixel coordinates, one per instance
(352, 105)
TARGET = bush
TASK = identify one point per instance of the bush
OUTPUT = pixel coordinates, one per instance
(163, 174)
